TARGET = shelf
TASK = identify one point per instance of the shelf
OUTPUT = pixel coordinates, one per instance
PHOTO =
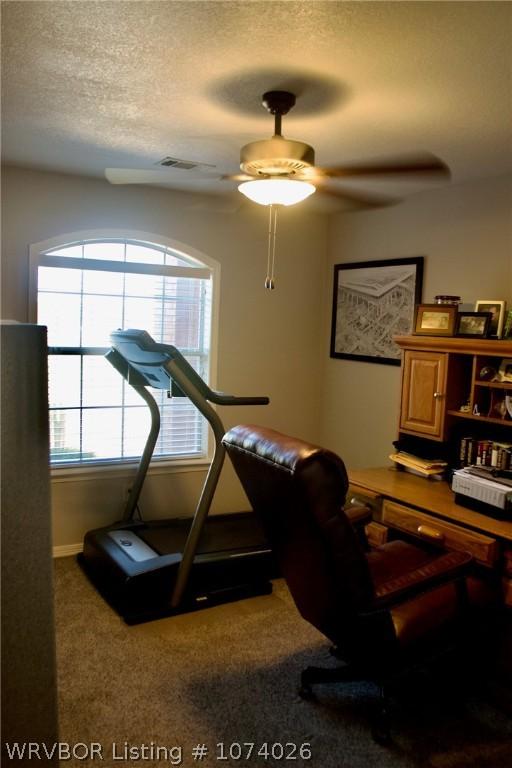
(494, 384)
(439, 376)
(457, 344)
(481, 419)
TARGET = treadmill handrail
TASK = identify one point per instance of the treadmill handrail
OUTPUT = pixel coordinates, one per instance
(219, 398)
(136, 363)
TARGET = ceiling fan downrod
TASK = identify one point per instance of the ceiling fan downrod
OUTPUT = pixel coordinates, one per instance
(278, 103)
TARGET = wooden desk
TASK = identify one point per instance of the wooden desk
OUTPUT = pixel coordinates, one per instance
(393, 491)
(434, 496)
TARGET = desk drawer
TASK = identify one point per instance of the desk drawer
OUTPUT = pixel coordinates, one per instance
(484, 549)
(356, 494)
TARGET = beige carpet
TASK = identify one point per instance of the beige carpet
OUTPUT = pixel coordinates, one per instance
(229, 675)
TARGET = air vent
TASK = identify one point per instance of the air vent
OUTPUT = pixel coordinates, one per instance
(175, 162)
(185, 165)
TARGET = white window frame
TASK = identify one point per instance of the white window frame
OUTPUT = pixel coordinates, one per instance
(38, 256)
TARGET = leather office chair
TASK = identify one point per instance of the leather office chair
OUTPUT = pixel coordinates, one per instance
(380, 608)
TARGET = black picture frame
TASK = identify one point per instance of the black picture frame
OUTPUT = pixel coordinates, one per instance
(478, 329)
(372, 302)
(497, 309)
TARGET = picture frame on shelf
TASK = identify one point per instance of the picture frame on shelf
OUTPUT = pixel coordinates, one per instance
(473, 325)
(505, 369)
(497, 309)
(372, 302)
(497, 407)
(507, 325)
(435, 320)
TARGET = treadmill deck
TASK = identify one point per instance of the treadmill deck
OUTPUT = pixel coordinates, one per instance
(237, 532)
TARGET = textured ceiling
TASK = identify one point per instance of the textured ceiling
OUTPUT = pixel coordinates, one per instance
(89, 85)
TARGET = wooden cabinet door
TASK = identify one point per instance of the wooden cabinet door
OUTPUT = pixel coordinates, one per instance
(423, 393)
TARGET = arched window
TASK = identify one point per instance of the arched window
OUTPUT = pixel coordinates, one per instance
(86, 288)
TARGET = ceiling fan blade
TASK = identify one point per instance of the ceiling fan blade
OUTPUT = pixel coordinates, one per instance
(134, 176)
(425, 163)
(361, 199)
(237, 177)
(163, 176)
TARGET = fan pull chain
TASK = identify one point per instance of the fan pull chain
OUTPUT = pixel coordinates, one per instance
(268, 284)
(271, 251)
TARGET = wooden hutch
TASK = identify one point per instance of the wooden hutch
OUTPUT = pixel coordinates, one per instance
(451, 398)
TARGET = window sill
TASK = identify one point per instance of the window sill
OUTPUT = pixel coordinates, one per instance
(127, 469)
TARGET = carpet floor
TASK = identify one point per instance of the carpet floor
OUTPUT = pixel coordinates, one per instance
(227, 677)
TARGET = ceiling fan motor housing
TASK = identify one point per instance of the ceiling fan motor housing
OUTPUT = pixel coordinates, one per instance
(276, 157)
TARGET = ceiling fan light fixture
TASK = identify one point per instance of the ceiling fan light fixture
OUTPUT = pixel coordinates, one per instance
(276, 191)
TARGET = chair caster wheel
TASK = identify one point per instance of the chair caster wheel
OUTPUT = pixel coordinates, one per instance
(381, 737)
(380, 730)
(306, 693)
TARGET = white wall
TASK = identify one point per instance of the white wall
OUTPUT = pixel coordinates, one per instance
(465, 234)
(268, 342)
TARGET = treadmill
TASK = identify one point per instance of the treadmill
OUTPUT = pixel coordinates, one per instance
(149, 569)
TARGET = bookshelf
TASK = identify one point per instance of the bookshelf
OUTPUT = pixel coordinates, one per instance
(451, 392)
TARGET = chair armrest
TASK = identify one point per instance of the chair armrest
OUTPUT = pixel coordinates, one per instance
(451, 566)
(358, 514)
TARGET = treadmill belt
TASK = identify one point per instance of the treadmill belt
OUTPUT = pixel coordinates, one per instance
(222, 533)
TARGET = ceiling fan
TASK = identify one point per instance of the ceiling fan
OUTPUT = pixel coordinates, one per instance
(282, 171)
(281, 159)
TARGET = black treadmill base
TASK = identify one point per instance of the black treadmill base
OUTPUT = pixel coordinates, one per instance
(190, 603)
(232, 561)
(199, 604)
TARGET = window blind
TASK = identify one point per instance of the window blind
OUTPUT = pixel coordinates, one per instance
(85, 291)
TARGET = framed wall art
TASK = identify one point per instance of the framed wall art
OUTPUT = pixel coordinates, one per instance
(372, 302)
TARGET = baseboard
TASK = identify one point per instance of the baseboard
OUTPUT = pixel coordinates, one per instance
(67, 550)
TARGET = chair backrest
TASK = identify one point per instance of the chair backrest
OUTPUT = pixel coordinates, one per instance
(298, 491)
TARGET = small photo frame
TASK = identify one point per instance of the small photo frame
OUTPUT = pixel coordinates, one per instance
(473, 324)
(507, 325)
(497, 310)
(505, 371)
(435, 320)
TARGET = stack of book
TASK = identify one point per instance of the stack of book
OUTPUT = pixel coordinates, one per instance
(419, 466)
(488, 453)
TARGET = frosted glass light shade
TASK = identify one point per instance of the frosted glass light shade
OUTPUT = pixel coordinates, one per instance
(276, 191)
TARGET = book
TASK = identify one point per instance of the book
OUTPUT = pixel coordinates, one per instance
(424, 467)
(485, 453)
